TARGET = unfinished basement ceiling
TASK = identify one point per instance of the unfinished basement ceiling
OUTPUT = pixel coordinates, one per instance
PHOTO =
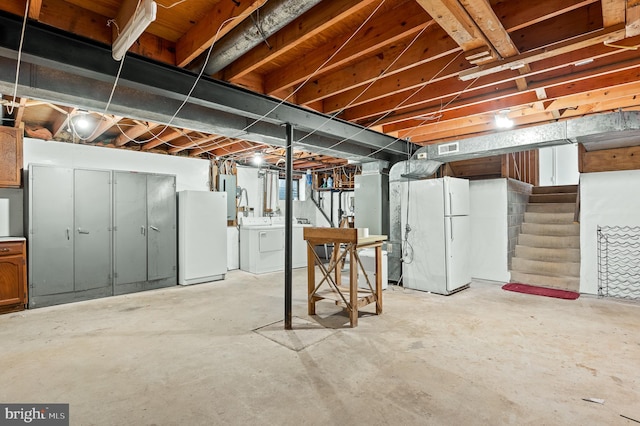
(427, 71)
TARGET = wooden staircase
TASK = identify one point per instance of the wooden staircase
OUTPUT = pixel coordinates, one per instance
(548, 249)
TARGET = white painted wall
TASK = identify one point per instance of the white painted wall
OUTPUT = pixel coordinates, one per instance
(559, 165)
(249, 179)
(489, 229)
(606, 199)
(14, 197)
(233, 248)
(191, 173)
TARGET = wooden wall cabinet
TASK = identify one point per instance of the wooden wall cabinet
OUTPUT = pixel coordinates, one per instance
(13, 274)
(10, 157)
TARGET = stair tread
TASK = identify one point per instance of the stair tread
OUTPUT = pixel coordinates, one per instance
(551, 207)
(547, 268)
(551, 229)
(549, 241)
(565, 197)
(554, 189)
(549, 217)
(560, 254)
(564, 283)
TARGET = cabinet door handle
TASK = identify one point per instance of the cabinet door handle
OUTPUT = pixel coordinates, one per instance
(142, 230)
(68, 234)
(4, 249)
(154, 228)
(81, 231)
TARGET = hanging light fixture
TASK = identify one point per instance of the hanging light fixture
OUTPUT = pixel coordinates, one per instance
(143, 16)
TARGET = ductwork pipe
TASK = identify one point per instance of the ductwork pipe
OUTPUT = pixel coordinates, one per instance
(252, 31)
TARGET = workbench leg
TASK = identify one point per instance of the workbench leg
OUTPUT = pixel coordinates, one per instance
(378, 280)
(353, 286)
(311, 279)
(335, 255)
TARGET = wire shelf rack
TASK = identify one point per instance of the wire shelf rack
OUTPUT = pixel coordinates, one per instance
(619, 261)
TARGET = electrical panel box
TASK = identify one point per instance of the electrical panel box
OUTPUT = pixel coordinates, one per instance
(228, 183)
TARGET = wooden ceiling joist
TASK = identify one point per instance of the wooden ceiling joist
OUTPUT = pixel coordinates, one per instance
(292, 35)
(379, 32)
(134, 132)
(105, 122)
(34, 9)
(165, 136)
(187, 143)
(219, 20)
(396, 58)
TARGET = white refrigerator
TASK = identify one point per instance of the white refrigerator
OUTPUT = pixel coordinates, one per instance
(436, 254)
(202, 236)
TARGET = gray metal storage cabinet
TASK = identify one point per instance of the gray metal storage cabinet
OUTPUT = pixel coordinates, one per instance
(145, 240)
(69, 234)
(96, 233)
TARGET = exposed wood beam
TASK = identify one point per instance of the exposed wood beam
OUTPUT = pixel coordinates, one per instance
(450, 15)
(83, 22)
(572, 24)
(242, 147)
(206, 147)
(489, 24)
(105, 123)
(614, 33)
(431, 72)
(134, 132)
(605, 160)
(471, 124)
(434, 42)
(498, 37)
(294, 34)
(379, 32)
(19, 113)
(556, 87)
(190, 143)
(519, 14)
(476, 130)
(633, 18)
(580, 93)
(613, 12)
(166, 136)
(222, 18)
(34, 9)
(62, 121)
(432, 45)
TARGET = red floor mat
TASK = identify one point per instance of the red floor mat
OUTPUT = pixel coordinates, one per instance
(541, 291)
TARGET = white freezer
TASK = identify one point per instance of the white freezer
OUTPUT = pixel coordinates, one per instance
(202, 236)
(436, 251)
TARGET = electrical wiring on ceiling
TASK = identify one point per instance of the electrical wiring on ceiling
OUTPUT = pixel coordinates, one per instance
(156, 135)
(15, 87)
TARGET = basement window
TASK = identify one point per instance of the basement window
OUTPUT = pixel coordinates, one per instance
(282, 185)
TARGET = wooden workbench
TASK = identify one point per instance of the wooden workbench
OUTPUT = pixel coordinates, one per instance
(345, 243)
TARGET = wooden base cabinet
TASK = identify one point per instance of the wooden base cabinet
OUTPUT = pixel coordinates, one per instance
(13, 274)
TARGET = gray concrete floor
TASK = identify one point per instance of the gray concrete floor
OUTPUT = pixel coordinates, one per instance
(190, 356)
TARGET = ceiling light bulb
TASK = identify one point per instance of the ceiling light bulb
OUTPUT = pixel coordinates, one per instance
(82, 122)
(257, 159)
(503, 122)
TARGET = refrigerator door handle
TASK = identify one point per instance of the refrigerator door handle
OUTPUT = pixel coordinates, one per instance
(450, 204)
(451, 222)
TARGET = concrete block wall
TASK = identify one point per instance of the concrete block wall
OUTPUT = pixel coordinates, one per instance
(517, 199)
